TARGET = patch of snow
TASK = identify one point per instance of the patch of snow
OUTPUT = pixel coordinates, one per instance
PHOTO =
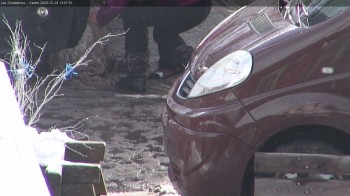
(49, 148)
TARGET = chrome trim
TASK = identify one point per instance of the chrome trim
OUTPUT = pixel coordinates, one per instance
(262, 24)
(183, 85)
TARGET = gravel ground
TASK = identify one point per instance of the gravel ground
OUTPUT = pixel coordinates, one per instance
(130, 124)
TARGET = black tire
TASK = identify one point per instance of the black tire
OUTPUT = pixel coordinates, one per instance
(308, 146)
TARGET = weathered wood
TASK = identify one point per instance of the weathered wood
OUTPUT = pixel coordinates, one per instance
(83, 176)
(301, 163)
(100, 188)
(283, 187)
(54, 183)
(281, 163)
(85, 151)
(78, 190)
(53, 180)
(81, 173)
(76, 179)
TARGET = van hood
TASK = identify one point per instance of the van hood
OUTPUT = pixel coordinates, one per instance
(248, 28)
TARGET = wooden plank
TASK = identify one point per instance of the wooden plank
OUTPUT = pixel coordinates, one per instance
(301, 163)
(78, 190)
(54, 182)
(85, 151)
(100, 188)
(81, 173)
(281, 187)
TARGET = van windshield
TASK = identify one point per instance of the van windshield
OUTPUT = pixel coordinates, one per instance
(305, 13)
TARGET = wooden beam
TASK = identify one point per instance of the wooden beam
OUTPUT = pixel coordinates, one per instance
(301, 163)
(100, 187)
(82, 173)
(284, 187)
(78, 190)
(53, 181)
(85, 151)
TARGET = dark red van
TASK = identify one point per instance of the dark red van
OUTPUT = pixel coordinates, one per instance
(272, 77)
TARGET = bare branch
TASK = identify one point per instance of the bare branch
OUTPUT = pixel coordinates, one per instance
(22, 69)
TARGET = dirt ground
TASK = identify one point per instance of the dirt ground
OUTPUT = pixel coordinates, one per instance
(130, 124)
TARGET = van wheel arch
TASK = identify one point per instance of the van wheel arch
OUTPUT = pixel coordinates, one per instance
(318, 139)
(324, 134)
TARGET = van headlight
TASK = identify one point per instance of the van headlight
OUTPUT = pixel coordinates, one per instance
(229, 71)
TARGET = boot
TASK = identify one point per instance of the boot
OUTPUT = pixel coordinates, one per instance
(133, 72)
(133, 82)
(173, 63)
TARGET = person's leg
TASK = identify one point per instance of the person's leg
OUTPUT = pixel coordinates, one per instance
(173, 51)
(136, 49)
(168, 43)
(136, 38)
(136, 58)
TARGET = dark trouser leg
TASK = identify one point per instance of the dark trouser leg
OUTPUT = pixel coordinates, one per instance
(136, 42)
(173, 52)
(136, 58)
(136, 39)
(167, 43)
(171, 46)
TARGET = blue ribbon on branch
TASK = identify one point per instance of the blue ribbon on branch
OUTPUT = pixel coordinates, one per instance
(26, 68)
(69, 72)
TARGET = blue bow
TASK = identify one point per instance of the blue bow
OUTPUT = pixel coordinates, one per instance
(69, 71)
